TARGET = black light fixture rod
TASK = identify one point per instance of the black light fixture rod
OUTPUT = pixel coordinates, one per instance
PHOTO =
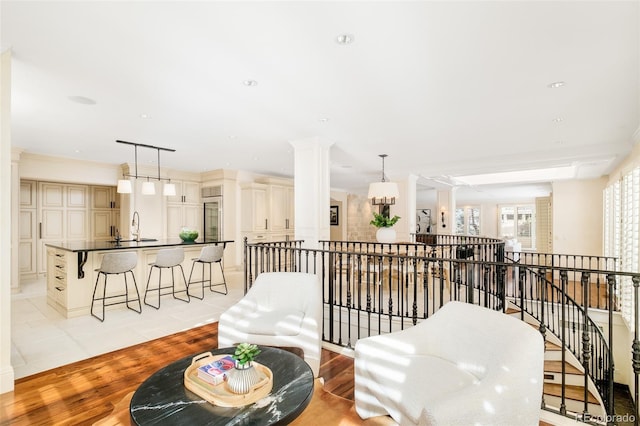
(383, 157)
(147, 146)
(159, 164)
(136, 158)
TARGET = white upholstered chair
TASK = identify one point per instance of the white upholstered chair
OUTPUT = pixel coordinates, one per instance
(464, 365)
(280, 309)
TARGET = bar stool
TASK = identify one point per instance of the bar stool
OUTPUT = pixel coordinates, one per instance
(209, 255)
(116, 263)
(167, 258)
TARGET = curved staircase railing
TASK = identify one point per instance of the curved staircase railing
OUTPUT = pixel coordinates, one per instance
(372, 288)
(570, 322)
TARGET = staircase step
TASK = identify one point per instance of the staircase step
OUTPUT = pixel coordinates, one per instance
(573, 392)
(548, 346)
(556, 367)
(511, 310)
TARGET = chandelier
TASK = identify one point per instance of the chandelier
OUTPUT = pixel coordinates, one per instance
(383, 193)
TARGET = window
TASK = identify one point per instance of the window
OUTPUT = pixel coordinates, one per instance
(518, 222)
(468, 221)
(621, 215)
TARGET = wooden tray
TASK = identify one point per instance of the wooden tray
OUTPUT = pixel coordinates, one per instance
(220, 394)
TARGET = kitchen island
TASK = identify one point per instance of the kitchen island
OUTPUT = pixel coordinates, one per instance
(71, 268)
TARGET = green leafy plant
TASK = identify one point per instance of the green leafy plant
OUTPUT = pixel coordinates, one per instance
(381, 221)
(245, 352)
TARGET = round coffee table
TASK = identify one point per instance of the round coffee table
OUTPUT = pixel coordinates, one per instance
(163, 399)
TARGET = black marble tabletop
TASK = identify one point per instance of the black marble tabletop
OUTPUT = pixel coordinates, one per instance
(76, 246)
(163, 399)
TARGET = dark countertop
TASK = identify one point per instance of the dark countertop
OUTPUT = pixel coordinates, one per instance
(85, 246)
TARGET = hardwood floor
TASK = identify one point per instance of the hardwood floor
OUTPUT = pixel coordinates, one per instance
(84, 392)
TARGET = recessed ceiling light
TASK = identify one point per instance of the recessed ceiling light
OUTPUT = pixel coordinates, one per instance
(323, 119)
(556, 84)
(559, 142)
(344, 39)
(558, 119)
(82, 100)
(250, 83)
(77, 151)
(145, 116)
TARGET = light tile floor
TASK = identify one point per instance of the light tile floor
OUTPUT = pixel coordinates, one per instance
(42, 339)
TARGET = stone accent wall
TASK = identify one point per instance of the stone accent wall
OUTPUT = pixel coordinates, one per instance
(360, 213)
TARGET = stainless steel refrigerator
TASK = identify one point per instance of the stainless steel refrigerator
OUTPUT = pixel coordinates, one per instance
(212, 219)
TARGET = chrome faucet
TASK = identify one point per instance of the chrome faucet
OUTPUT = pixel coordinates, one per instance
(136, 223)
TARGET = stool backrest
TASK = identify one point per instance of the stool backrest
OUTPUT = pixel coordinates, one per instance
(211, 253)
(117, 263)
(167, 258)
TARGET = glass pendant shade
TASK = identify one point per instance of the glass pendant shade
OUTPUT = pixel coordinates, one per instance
(148, 188)
(124, 186)
(169, 189)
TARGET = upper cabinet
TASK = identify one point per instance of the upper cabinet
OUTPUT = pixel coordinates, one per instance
(268, 208)
(185, 208)
(105, 212)
(104, 197)
(281, 206)
(255, 216)
(186, 192)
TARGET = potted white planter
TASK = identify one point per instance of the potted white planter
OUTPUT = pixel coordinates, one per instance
(385, 234)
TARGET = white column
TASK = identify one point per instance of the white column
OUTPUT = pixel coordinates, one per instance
(447, 205)
(6, 264)
(405, 207)
(311, 190)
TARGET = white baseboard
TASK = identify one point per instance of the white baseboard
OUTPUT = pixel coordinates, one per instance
(7, 379)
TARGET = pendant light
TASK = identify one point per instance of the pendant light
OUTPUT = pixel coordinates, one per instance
(383, 193)
(148, 187)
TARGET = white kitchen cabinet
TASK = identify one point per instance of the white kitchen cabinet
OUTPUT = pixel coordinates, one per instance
(267, 211)
(183, 215)
(255, 208)
(63, 215)
(28, 239)
(28, 194)
(281, 208)
(104, 197)
(105, 212)
(185, 209)
(186, 192)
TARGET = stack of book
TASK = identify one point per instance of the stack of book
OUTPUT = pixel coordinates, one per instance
(215, 372)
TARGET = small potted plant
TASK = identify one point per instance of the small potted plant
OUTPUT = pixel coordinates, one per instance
(244, 376)
(385, 233)
(245, 354)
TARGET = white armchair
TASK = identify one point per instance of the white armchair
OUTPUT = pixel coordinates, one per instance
(464, 365)
(280, 309)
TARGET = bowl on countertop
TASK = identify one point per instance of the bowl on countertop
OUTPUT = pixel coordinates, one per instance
(188, 235)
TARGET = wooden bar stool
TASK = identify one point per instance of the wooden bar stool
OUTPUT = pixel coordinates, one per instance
(209, 255)
(116, 263)
(167, 258)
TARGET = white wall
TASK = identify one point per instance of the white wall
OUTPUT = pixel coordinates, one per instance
(6, 370)
(577, 216)
(67, 170)
(339, 233)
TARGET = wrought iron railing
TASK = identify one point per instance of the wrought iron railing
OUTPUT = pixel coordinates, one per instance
(371, 288)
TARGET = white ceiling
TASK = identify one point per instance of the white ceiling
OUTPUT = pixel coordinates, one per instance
(444, 88)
